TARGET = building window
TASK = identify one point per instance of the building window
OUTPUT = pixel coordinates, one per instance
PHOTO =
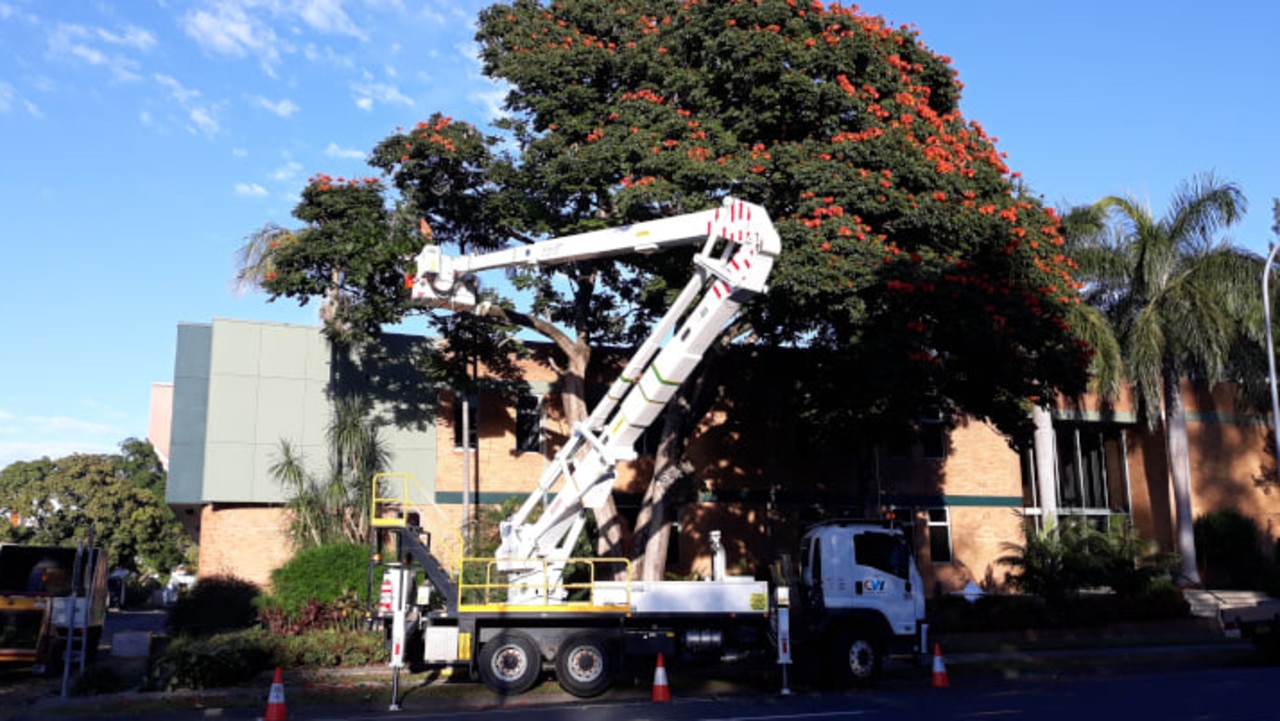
(472, 404)
(933, 440)
(940, 535)
(1092, 478)
(1091, 470)
(529, 424)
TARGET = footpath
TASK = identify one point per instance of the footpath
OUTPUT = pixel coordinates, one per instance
(969, 658)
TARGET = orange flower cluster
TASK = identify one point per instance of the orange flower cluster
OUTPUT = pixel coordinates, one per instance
(325, 183)
(645, 94)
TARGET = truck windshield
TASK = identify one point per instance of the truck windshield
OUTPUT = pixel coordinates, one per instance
(882, 552)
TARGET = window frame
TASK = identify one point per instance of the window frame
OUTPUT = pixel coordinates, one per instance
(945, 523)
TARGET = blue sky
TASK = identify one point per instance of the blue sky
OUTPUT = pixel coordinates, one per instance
(141, 141)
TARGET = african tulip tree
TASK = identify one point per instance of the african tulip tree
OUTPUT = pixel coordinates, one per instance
(920, 277)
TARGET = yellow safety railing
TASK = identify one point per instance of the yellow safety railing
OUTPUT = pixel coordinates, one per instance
(392, 504)
(586, 585)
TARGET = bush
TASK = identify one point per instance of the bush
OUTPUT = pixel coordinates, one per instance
(216, 604)
(1059, 562)
(1160, 600)
(328, 649)
(345, 614)
(233, 659)
(227, 659)
(1228, 548)
(326, 574)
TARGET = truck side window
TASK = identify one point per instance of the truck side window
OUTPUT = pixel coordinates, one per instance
(882, 552)
(815, 564)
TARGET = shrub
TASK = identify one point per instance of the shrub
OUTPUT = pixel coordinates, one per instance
(1058, 562)
(325, 574)
(1227, 546)
(328, 649)
(345, 614)
(216, 604)
(227, 659)
(232, 659)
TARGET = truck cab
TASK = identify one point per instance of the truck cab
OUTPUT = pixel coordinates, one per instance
(864, 595)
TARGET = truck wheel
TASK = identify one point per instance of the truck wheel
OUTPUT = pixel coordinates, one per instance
(857, 658)
(585, 665)
(510, 663)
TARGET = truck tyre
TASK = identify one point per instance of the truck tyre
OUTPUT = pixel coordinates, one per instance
(585, 664)
(857, 658)
(510, 663)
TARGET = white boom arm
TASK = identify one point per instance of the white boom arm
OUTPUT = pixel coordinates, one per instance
(739, 244)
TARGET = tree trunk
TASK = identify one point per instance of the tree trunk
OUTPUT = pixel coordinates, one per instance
(652, 535)
(1180, 470)
(1046, 465)
(610, 539)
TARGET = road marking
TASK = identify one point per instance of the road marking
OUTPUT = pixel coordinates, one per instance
(827, 714)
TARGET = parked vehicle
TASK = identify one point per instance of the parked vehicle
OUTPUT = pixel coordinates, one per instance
(858, 595)
(52, 599)
(1257, 620)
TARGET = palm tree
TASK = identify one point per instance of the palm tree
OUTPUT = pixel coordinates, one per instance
(253, 259)
(338, 508)
(1177, 297)
(1091, 327)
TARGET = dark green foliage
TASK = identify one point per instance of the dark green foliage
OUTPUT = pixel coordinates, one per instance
(1228, 546)
(1159, 601)
(232, 659)
(99, 678)
(119, 496)
(325, 574)
(344, 614)
(216, 604)
(214, 662)
(327, 649)
(138, 590)
(1060, 562)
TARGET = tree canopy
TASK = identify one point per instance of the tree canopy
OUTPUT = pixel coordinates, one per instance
(911, 255)
(57, 502)
(917, 273)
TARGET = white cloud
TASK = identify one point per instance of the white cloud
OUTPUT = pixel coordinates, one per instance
(29, 438)
(328, 55)
(66, 424)
(133, 36)
(73, 41)
(227, 29)
(251, 190)
(327, 16)
(204, 121)
(33, 109)
(287, 172)
(241, 28)
(6, 97)
(334, 151)
(14, 451)
(144, 116)
(239, 152)
(283, 108)
(180, 93)
(367, 93)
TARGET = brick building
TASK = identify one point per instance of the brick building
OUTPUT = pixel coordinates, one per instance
(241, 387)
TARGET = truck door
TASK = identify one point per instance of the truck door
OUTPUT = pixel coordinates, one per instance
(835, 574)
(886, 577)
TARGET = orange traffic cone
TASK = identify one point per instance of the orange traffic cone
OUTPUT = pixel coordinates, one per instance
(661, 692)
(275, 701)
(939, 668)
